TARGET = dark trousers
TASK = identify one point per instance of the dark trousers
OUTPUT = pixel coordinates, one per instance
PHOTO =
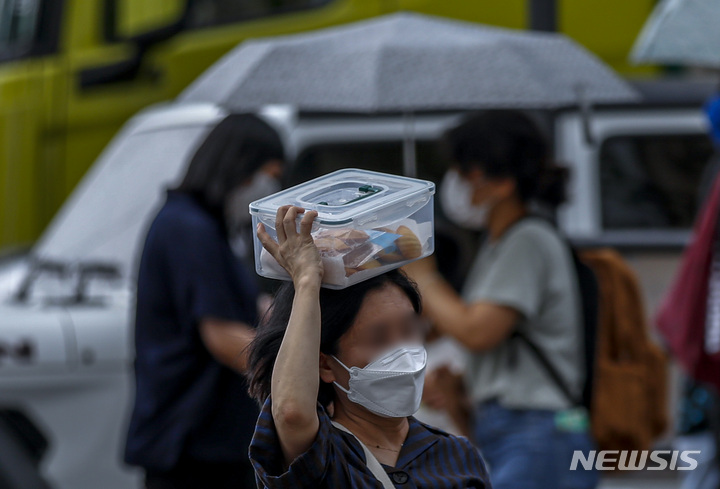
(192, 474)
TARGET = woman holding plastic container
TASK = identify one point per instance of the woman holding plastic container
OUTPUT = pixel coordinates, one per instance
(339, 374)
(524, 281)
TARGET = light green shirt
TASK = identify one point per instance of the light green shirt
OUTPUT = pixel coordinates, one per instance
(530, 269)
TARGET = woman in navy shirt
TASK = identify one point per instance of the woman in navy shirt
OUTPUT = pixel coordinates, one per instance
(196, 309)
(339, 374)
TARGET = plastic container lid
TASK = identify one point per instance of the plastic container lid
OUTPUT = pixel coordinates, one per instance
(347, 195)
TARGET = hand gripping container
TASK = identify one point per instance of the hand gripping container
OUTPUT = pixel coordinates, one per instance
(368, 223)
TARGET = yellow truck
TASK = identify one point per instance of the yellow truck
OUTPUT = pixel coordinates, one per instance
(73, 71)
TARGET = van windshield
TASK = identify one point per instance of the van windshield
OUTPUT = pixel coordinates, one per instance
(19, 21)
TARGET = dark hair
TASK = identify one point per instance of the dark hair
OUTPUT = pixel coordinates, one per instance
(338, 311)
(507, 143)
(235, 149)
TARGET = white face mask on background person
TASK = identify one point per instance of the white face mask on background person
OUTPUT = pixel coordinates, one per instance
(237, 206)
(391, 385)
(456, 194)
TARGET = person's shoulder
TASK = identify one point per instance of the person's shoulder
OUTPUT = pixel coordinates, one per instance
(182, 216)
(445, 437)
(536, 227)
(461, 445)
(534, 232)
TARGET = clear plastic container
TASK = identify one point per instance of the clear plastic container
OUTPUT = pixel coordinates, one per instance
(368, 223)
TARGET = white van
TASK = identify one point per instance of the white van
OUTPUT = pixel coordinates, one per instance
(66, 307)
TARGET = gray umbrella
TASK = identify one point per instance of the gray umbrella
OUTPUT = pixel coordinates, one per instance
(685, 32)
(408, 62)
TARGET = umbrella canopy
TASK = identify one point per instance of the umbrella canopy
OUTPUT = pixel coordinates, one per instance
(684, 32)
(409, 62)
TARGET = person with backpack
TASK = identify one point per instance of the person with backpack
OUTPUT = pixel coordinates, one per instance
(521, 311)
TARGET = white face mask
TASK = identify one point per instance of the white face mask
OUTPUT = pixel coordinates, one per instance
(456, 195)
(391, 385)
(237, 206)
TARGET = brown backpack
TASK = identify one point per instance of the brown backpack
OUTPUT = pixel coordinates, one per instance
(629, 393)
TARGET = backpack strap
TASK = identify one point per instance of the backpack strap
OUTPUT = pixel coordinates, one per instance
(589, 291)
(372, 463)
(549, 368)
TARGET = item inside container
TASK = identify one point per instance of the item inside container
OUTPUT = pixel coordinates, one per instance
(346, 252)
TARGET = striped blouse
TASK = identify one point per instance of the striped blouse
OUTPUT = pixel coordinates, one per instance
(429, 458)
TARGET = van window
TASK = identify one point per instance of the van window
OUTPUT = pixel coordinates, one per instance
(29, 28)
(18, 24)
(652, 181)
(206, 13)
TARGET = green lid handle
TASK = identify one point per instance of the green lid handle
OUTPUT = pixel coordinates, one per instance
(367, 191)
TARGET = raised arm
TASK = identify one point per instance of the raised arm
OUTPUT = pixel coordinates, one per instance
(227, 341)
(295, 379)
(479, 326)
